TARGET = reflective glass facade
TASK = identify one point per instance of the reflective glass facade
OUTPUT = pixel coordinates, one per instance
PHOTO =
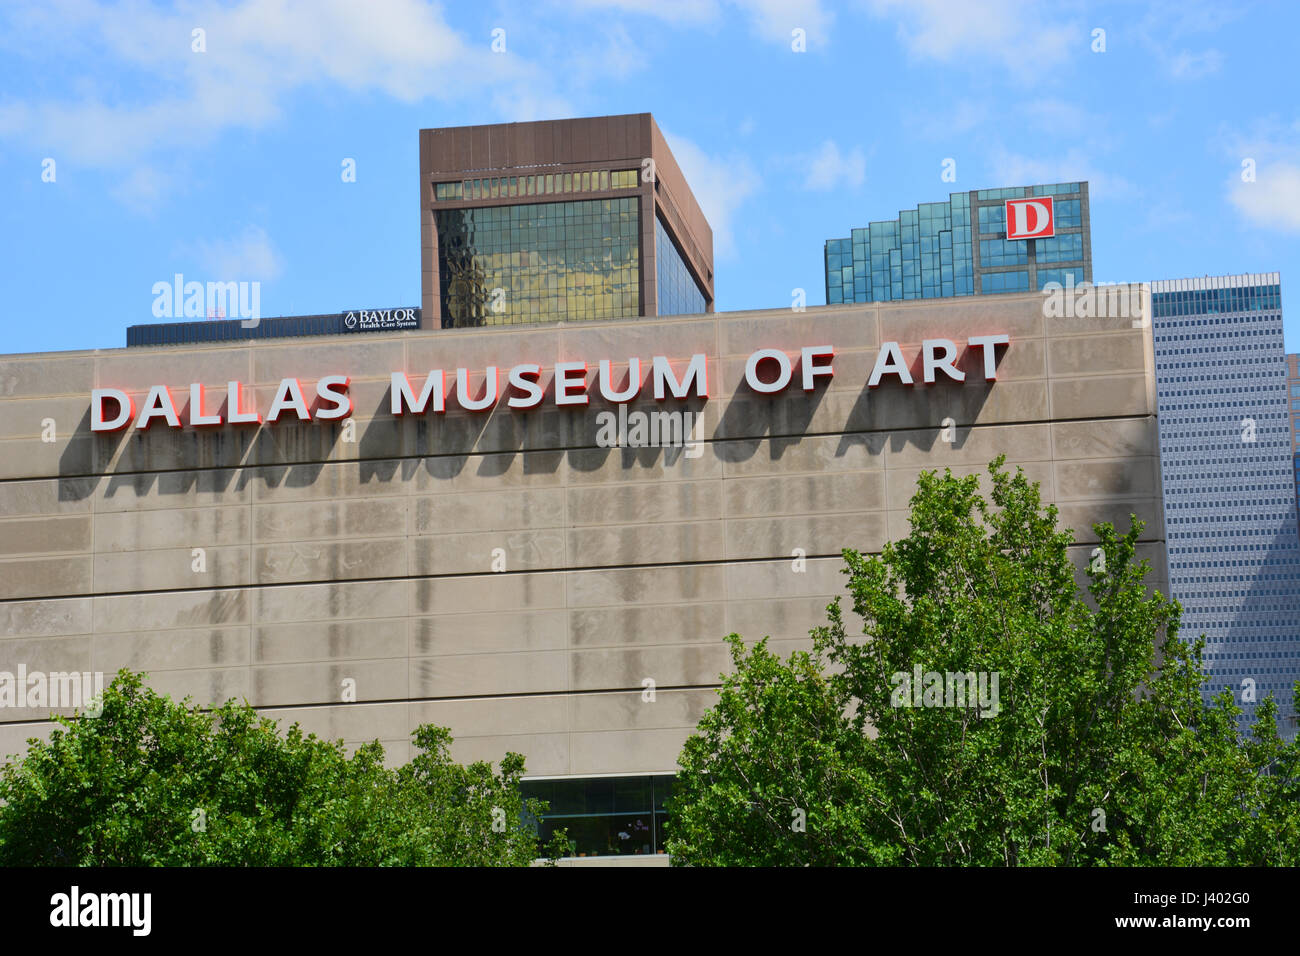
(604, 816)
(678, 292)
(1228, 473)
(565, 224)
(1293, 398)
(539, 262)
(549, 184)
(959, 247)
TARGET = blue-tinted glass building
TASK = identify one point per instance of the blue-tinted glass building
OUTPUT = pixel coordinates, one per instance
(1228, 470)
(959, 247)
(1293, 397)
(679, 294)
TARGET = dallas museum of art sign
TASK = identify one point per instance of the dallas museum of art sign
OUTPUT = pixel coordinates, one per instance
(767, 372)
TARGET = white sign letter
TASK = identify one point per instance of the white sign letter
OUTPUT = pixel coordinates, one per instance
(570, 376)
(889, 362)
(402, 398)
(334, 390)
(233, 414)
(607, 381)
(524, 377)
(698, 370)
(197, 418)
(945, 364)
(159, 404)
(289, 396)
(811, 370)
(489, 392)
(125, 410)
(783, 376)
(989, 344)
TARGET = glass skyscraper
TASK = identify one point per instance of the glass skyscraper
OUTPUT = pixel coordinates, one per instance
(959, 247)
(542, 261)
(538, 262)
(1228, 471)
(561, 220)
(1293, 397)
(678, 292)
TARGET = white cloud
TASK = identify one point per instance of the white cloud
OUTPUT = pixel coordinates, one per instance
(828, 168)
(249, 256)
(1168, 23)
(670, 11)
(612, 53)
(721, 184)
(1273, 199)
(1164, 214)
(1015, 32)
(1046, 114)
(772, 20)
(1161, 120)
(13, 118)
(1060, 117)
(1180, 18)
(1186, 65)
(945, 123)
(167, 97)
(524, 106)
(1272, 148)
(1074, 166)
(142, 189)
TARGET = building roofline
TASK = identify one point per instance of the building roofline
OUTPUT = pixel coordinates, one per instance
(567, 119)
(1204, 283)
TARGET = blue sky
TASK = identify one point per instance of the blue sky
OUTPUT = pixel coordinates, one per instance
(225, 164)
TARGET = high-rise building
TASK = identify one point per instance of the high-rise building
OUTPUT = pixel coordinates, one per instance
(1227, 467)
(563, 219)
(960, 247)
(1293, 396)
(520, 222)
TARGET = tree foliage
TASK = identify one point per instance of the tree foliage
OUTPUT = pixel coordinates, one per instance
(156, 782)
(1101, 750)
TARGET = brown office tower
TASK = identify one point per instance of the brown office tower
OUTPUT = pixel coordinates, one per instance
(563, 219)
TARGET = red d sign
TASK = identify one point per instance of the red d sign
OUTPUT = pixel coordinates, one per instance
(1031, 218)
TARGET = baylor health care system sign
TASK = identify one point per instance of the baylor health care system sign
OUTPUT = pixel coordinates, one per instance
(767, 372)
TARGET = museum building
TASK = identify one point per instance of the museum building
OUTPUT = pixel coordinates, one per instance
(535, 534)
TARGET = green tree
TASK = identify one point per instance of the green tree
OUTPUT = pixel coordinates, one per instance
(1096, 749)
(155, 782)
